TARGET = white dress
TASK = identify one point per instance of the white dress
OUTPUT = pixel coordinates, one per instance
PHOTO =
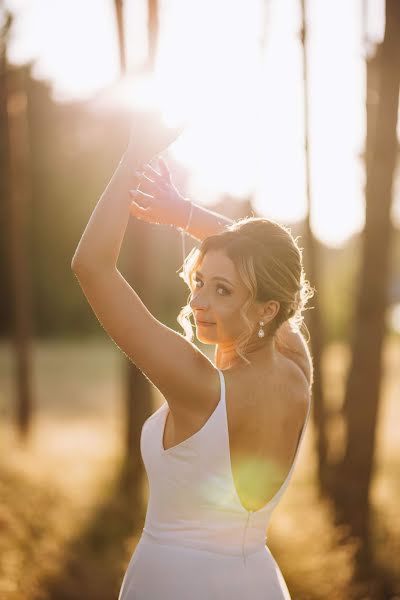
(198, 541)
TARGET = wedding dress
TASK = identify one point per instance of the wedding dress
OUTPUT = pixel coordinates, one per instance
(198, 541)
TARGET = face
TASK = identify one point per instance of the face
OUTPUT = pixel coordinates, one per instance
(217, 296)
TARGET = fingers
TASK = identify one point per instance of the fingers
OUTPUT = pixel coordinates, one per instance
(156, 189)
(147, 183)
(144, 176)
(164, 169)
(161, 178)
(147, 172)
(140, 198)
(155, 182)
(156, 178)
(143, 214)
(138, 210)
(147, 186)
(152, 172)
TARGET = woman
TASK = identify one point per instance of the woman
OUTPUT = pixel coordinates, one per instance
(220, 452)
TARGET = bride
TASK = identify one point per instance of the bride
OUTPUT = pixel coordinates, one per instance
(221, 450)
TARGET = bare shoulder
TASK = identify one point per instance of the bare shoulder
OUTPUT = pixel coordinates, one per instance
(291, 344)
(297, 388)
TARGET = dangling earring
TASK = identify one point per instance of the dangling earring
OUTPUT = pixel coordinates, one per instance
(261, 332)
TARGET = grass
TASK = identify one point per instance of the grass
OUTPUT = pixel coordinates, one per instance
(66, 529)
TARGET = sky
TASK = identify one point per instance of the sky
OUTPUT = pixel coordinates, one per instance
(246, 132)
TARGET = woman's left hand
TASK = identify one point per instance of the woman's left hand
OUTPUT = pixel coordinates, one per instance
(150, 135)
(159, 201)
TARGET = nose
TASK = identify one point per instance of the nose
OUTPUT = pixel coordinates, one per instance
(198, 301)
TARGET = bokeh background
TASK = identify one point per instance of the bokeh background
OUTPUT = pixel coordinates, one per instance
(292, 111)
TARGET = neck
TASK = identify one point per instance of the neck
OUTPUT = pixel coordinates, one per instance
(226, 356)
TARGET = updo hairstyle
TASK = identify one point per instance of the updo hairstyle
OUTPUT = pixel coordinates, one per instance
(269, 262)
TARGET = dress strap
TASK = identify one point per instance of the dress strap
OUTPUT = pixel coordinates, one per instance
(222, 383)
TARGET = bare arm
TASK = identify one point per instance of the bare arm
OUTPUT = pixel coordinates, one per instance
(100, 244)
(182, 373)
(204, 222)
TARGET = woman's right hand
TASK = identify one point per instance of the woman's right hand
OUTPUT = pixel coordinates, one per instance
(158, 200)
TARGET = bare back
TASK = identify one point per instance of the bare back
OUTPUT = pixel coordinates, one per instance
(266, 412)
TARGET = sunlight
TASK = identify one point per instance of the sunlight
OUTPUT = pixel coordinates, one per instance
(67, 44)
(156, 92)
(243, 106)
(219, 88)
(144, 92)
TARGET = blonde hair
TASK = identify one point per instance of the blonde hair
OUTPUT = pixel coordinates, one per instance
(269, 263)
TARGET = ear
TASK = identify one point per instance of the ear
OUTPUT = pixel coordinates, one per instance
(269, 311)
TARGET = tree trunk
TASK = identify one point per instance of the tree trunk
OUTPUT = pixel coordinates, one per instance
(138, 391)
(354, 474)
(314, 320)
(17, 190)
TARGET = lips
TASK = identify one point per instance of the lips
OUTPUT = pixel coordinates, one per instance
(204, 322)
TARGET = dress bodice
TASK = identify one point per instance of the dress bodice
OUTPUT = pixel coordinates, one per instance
(193, 500)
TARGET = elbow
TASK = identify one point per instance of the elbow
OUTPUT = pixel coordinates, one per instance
(81, 263)
(78, 266)
(84, 269)
(75, 266)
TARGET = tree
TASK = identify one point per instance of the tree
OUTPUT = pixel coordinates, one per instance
(138, 241)
(16, 189)
(314, 321)
(351, 483)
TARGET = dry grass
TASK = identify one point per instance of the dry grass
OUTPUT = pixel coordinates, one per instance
(66, 531)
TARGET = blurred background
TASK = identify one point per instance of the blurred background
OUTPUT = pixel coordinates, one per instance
(293, 114)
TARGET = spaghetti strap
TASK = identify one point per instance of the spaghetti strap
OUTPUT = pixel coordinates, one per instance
(222, 385)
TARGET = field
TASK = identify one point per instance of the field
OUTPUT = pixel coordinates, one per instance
(67, 532)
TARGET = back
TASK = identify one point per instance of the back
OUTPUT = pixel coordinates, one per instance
(266, 413)
(266, 409)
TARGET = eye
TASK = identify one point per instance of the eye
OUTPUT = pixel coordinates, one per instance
(196, 280)
(218, 287)
(221, 287)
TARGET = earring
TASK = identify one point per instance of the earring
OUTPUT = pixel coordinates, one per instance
(261, 332)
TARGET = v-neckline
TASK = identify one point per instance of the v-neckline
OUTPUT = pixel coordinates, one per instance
(190, 438)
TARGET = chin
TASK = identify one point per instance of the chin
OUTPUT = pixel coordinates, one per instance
(204, 339)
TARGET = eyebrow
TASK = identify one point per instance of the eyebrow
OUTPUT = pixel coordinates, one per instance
(219, 277)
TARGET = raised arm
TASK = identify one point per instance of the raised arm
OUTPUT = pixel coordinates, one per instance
(183, 374)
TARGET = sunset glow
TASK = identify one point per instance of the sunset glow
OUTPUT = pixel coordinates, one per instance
(244, 106)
